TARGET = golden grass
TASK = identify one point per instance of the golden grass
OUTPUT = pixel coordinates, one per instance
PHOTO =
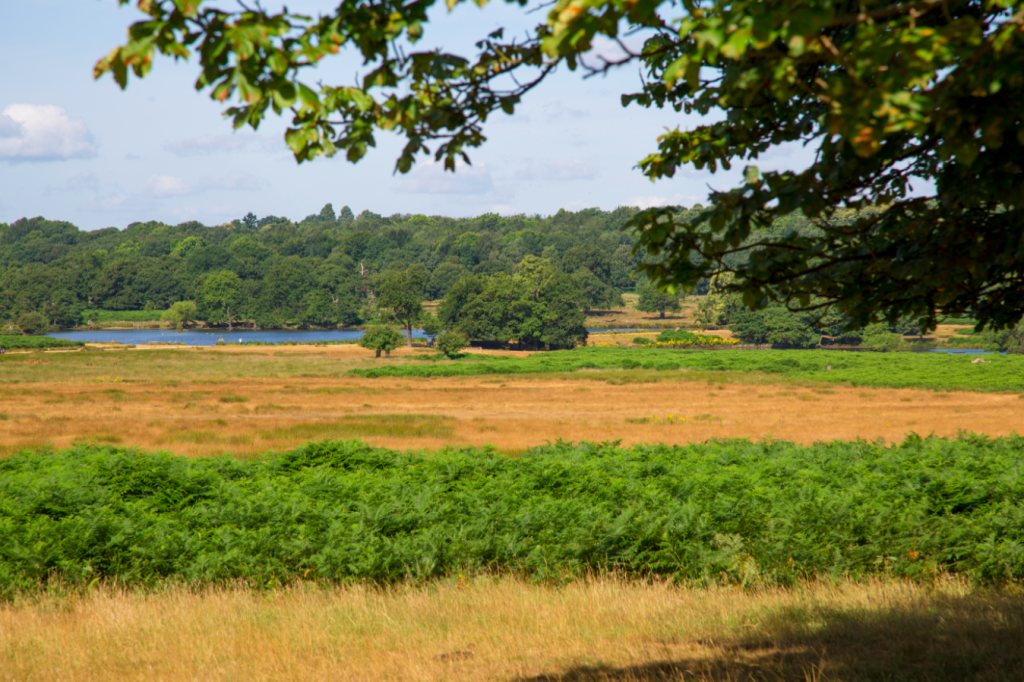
(247, 401)
(628, 316)
(245, 415)
(508, 629)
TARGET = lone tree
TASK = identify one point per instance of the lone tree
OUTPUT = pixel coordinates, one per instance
(220, 295)
(32, 323)
(381, 338)
(180, 314)
(401, 292)
(654, 300)
(912, 109)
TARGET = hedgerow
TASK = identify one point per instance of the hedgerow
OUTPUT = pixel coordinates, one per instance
(36, 342)
(894, 370)
(767, 513)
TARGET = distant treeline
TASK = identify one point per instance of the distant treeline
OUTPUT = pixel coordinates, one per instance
(320, 271)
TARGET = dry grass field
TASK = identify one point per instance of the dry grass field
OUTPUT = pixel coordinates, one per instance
(486, 629)
(245, 401)
(628, 316)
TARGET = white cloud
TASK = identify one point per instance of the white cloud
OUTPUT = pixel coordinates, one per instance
(432, 178)
(9, 127)
(168, 186)
(652, 201)
(561, 169)
(30, 132)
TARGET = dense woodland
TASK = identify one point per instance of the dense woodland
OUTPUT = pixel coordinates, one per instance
(287, 268)
(320, 271)
(528, 279)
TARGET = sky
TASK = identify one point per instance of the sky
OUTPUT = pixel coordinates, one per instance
(76, 149)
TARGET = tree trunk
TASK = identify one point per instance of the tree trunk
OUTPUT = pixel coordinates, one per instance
(378, 354)
(387, 354)
(663, 314)
(408, 330)
(229, 320)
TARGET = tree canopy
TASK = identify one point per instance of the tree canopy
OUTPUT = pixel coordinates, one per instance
(911, 107)
(315, 272)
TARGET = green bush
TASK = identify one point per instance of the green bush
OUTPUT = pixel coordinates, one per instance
(451, 342)
(381, 338)
(878, 337)
(21, 342)
(768, 513)
(32, 323)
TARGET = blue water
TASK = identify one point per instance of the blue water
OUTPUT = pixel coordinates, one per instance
(960, 351)
(208, 337)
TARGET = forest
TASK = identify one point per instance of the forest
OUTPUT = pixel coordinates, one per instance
(524, 279)
(320, 271)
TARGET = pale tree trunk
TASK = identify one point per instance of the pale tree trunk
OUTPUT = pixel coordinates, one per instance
(408, 330)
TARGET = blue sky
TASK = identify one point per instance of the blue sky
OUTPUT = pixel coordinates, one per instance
(76, 149)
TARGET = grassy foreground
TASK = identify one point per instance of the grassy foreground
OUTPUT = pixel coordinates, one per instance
(769, 513)
(601, 628)
(932, 371)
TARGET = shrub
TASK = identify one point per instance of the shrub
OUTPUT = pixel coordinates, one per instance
(180, 314)
(878, 337)
(381, 338)
(32, 323)
(451, 342)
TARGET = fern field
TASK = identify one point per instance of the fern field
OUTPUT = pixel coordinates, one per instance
(729, 511)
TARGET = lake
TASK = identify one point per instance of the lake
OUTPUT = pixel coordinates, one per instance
(208, 337)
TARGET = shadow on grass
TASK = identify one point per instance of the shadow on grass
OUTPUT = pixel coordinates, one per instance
(978, 638)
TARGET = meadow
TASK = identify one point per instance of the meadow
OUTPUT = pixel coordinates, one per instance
(602, 628)
(935, 371)
(247, 401)
(604, 514)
